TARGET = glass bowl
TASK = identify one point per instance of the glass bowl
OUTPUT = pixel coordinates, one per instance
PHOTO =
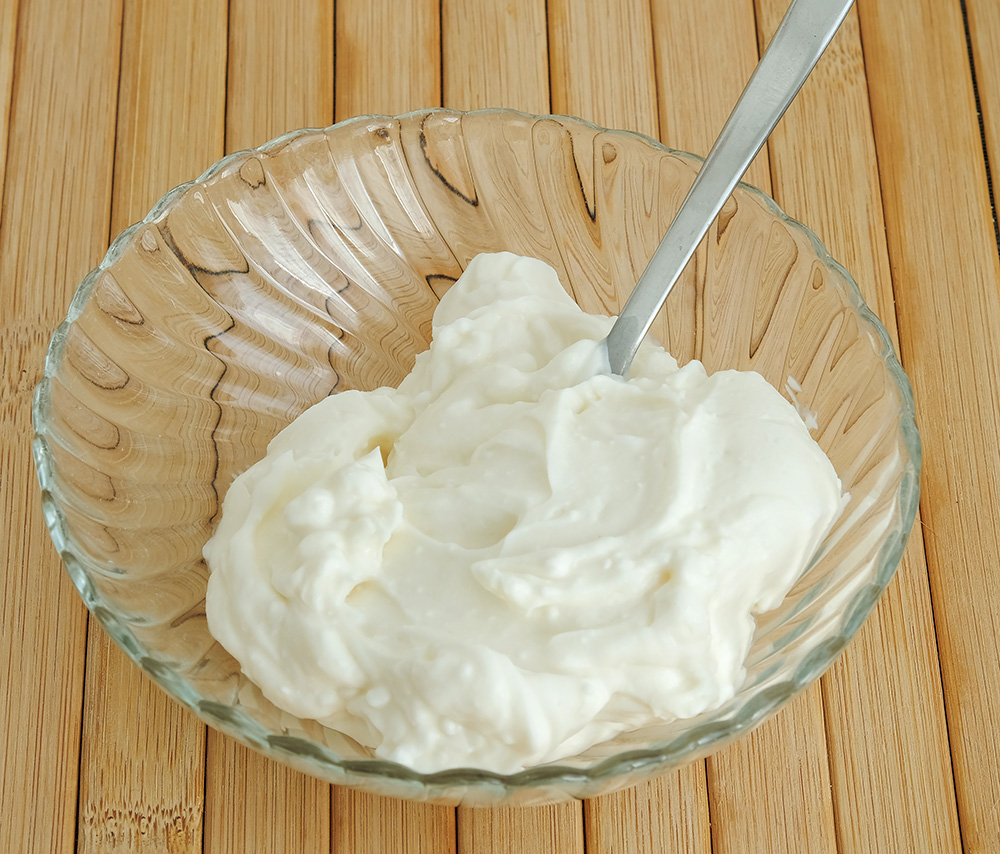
(313, 264)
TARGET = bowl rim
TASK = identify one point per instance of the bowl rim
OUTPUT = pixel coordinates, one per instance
(323, 761)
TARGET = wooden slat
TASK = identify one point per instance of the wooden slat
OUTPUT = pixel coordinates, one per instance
(369, 824)
(142, 766)
(8, 34)
(705, 53)
(172, 100)
(771, 791)
(984, 33)
(260, 805)
(555, 829)
(387, 68)
(669, 814)
(946, 276)
(601, 63)
(280, 78)
(280, 69)
(887, 739)
(56, 207)
(495, 55)
(142, 777)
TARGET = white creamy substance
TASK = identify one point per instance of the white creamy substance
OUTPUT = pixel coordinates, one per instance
(515, 555)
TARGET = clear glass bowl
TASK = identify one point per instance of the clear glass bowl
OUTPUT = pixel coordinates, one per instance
(312, 265)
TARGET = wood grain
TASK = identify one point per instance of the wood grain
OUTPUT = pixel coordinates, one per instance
(387, 70)
(495, 55)
(171, 103)
(8, 34)
(601, 64)
(280, 69)
(669, 814)
(61, 201)
(705, 53)
(256, 804)
(771, 791)
(939, 225)
(369, 824)
(556, 829)
(887, 739)
(142, 768)
(984, 40)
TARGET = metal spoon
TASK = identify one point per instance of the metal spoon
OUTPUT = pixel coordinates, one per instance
(801, 38)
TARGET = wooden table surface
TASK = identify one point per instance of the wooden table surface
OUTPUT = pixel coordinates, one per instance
(106, 104)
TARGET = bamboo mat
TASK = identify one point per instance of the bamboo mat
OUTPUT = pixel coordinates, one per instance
(106, 104)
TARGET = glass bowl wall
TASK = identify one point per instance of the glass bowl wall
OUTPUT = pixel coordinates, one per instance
(313, 265)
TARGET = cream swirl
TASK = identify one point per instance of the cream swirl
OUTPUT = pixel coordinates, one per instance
(515, 555)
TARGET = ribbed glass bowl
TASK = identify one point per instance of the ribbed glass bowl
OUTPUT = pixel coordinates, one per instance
(313, 265)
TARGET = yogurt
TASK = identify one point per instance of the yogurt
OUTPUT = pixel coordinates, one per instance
(515, 555)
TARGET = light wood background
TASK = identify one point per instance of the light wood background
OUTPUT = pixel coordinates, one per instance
(106, 104)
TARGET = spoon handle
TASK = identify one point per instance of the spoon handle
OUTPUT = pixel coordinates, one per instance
(801, 38)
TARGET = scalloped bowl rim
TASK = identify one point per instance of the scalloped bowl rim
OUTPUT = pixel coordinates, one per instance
(697, 742)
